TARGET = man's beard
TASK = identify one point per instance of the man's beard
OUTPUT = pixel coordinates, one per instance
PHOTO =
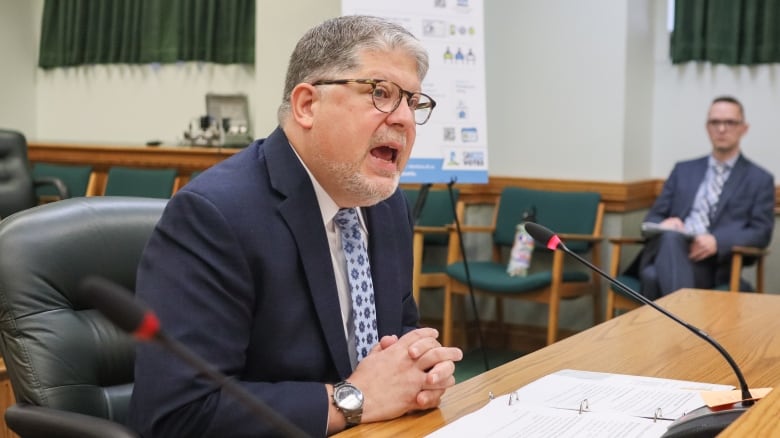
(359, 187)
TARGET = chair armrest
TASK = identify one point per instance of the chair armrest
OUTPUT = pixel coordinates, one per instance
(472, 228)
(581, 237)
(426, 229)
(62, 189)
(31, 421)
(627, 240)
(750, 251)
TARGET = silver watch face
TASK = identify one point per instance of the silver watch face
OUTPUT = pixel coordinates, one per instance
(348, 397)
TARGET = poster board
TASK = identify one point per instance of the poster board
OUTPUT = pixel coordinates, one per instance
(452, 145)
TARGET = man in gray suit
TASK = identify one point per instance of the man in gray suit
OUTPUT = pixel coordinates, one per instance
(708, 205)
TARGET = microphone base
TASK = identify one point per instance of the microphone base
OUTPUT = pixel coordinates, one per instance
(704, 422)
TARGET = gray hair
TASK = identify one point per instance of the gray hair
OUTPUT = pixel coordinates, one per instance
(334, 46)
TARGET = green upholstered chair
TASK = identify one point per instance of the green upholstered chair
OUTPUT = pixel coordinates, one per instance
(149, 183)
(70, 368)
(431, 231)
(575, 216)
(17, 184)
(618, 300)
(76, 178)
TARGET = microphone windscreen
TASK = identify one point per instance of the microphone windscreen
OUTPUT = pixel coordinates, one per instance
(539, 233)
(117, 304)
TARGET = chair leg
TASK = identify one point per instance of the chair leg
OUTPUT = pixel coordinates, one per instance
(500, 319)
(447, 316)
(736, 272)
(610, 311)
(417, 266)
(597, 306)
(552, 320)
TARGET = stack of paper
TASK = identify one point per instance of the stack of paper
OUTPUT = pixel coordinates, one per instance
(573, 403)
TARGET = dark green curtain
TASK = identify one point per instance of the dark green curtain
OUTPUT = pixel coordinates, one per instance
(77, 32)
(734, 32)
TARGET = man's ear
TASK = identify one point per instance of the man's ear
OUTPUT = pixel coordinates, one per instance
(303, 103)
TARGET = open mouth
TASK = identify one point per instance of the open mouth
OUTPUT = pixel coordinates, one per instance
(385, 153)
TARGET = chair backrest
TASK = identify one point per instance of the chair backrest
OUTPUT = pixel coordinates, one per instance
(561, 212)
(436, 212)
(149, 183)
(16, 181)
(76, 178)
(59, 352)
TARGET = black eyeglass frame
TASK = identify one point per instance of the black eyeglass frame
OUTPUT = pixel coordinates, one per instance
(430, 105)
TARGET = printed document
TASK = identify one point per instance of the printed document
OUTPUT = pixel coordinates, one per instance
(572, 403)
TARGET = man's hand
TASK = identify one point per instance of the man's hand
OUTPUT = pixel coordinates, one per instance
(405, 374)
(702, 247)
(673, 223)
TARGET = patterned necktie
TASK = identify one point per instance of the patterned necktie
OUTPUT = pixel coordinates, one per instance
(714, 189)
(699, 219)
(359, 275)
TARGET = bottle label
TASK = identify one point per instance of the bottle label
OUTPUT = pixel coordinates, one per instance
(520, 256)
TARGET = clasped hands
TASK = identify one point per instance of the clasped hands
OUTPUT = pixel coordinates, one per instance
(405, 374)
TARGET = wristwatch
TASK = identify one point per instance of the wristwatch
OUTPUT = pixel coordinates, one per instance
(349, 400)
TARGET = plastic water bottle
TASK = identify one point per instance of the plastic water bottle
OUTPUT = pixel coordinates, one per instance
(522, 249)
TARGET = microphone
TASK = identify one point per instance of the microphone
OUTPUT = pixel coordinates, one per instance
(703, 422)
(118, 305)
(420, 203)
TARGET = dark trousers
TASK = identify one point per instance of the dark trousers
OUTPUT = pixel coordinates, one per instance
(664, 266)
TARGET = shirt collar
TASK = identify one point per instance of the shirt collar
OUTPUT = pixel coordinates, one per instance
(729, 163)
(328, 207)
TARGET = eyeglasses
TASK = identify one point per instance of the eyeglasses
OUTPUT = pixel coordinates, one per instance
(387, 96)
(727, 123)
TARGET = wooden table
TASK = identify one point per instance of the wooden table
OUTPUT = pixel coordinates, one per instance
(641, 342)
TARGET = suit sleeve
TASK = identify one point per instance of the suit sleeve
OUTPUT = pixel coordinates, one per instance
(195, 276)
(662, 207)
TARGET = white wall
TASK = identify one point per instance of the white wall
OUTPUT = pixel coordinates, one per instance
(17, 67)
(555, 88)
(123, 104)
(279, 25)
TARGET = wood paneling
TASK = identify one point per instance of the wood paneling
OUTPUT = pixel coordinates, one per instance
(184, 159)
(619, 197)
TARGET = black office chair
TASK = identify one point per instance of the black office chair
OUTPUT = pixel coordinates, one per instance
(71, 369)
(17, 185)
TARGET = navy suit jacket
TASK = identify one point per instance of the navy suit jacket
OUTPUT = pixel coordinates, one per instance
(744, 214)
(239, 270)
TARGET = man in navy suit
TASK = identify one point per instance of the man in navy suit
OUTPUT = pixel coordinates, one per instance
(246, 266)
(710, 204)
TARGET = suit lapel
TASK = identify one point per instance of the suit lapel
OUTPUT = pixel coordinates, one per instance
(692, 180)
(299, 210)
(385, 271)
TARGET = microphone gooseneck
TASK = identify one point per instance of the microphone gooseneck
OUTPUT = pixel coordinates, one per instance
(118, 305)
(548, 238)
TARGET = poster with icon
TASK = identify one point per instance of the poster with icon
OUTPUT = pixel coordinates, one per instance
(452, 145)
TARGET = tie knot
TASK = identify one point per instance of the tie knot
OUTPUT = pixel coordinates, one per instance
(346, 218)
(721, 168)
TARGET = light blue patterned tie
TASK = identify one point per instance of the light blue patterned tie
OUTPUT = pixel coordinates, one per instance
(361, 286)
(699, 220)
